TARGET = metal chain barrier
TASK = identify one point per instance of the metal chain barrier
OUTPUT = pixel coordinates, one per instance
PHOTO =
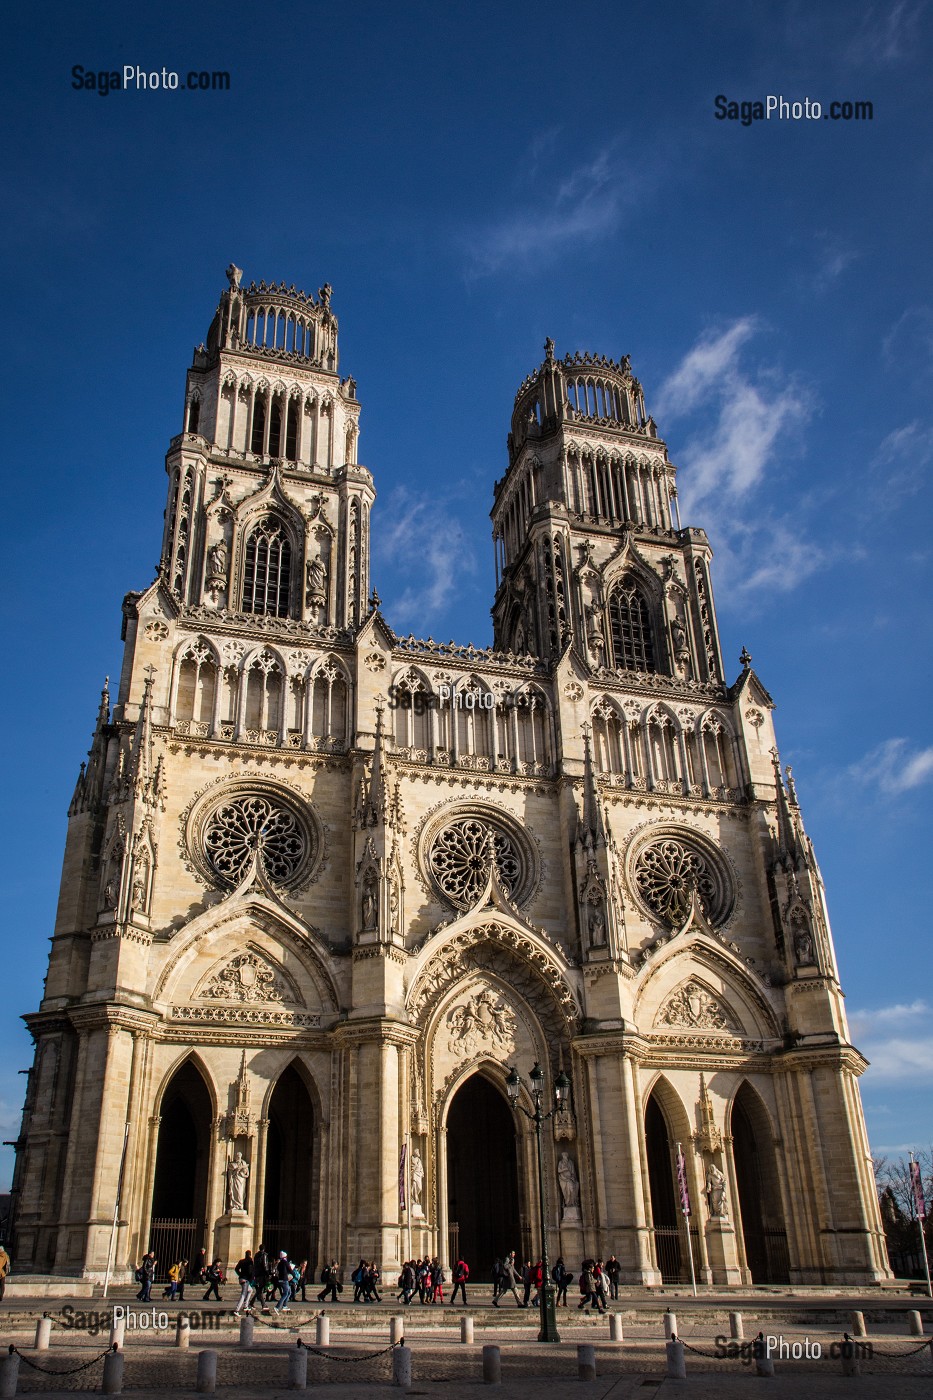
(72, 1371)
(370, 1356)
(912, 1351)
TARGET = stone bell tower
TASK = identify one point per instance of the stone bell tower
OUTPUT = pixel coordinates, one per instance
(588, 496)
(264, 395)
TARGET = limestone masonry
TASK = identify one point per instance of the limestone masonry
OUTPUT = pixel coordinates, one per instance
(323, 884)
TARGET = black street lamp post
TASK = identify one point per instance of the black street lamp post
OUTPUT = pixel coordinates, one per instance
(513, 1084)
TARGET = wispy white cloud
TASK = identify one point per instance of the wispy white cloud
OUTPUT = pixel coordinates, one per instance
(421, 540)
(902, 464)
(584, 207)
(886, 34)
(749, 415)
(867, 1020)
(738, 421)
(905, 1055)
(909, 342)
(895, 766)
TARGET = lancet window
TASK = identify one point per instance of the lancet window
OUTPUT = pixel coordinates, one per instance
(267, 570)
(630, 628)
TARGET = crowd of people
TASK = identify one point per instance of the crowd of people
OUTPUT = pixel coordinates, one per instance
(271, 1281)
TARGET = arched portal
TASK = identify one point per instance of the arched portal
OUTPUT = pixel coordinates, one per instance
(762, 1215)
(289, 1214)
(482, 1177)
(669, 1242)
(178, 1224)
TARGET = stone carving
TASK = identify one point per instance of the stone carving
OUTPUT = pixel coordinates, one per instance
(484, 1022)
(237, 1174)
(247, 978)
(234, 277)
(569, 1184)
(156, 631)
(316, 573)
(217, 560)
(716, 1193)
(803, 947)
(417, 1181)
(374, 661)
(709, 1138)
(370, 903)
(694, 1007)
(573, 691)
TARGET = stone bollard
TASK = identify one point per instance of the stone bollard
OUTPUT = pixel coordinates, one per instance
(670, 1325)
(857, 1320)
(112, 1383)
(247, 1330)
(466, 1329)
(396, 1330)
(43, 1332)
(322, 1331)
(764, 1366)
(118, 1332)
(9, 1373)
(676, 1366)
(615, 1327)
(586, 1363)
(492, 1366)
(401, 1367)
(736, 1327)
(207, 1372)
(848, 1353)
(183, 1331)
(298, 1367)
(915, 1324)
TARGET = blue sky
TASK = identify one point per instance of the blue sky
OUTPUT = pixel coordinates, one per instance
(471, 178)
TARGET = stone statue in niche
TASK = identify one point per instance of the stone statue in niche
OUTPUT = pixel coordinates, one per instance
(803, 947)
(316, 574)
(417, 1182)
(679, 637)
(596, 921)
(217, 560)
(370, 904)
(237, 1173)
(569, 1184)
(716, 1193)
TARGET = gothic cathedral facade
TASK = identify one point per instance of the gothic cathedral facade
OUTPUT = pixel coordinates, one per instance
(324, 884)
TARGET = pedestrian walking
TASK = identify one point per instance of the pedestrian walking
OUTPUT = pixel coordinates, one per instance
(144, 1277)
(214, 1277)
(301, 1281)
(371, 1278)
(4, 1270)
(174, 1277)
(510, 1279)
(599, 1287)
(587, 1289)
(261, 1276)
(199, 1272)
(613, 1274)
(407, 1283)
(330, 1278)
(283, 1274)
(527, 1279)
(437, 1282)
(562, 1280)
(245, 1272)
(358, 1278)
(460, 1276)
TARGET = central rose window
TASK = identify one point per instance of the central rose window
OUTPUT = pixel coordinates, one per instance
(668, 869)
(460, 851)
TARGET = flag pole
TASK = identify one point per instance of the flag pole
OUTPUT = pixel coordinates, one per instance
(685, 1207)
(920, 1206)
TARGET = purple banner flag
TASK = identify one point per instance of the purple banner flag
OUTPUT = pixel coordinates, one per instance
(916, 1182)
(401, 1176)
(682, 1182)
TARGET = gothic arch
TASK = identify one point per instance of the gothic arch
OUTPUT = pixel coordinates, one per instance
(277, 934)
(186, 1057)
(720, 973)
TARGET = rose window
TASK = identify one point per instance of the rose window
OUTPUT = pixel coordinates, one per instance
(255, 824)
(460, 856)
(668, 870)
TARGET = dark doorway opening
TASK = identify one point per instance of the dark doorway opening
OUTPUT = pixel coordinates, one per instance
(288, 1205)
(665, 1217)
(482, 1177)
(177, 1229)
(763, 1231)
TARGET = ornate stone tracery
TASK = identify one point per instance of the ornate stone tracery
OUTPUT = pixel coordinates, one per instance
(247, 977)
(237, 823)
(668, 868)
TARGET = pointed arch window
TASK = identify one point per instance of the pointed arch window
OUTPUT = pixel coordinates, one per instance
(267, 570)
(630, 628)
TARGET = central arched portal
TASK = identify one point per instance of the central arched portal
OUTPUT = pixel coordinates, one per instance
(482, 1177)
(289, 1216)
